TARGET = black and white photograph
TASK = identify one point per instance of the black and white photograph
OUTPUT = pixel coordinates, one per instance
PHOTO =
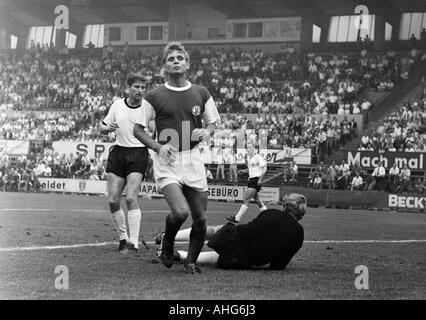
(215, 155)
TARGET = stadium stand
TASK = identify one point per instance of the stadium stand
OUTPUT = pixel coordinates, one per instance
(49, 95)
(64, 97)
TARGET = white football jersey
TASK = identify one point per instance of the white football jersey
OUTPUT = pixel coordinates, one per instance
(255, 165)
(125, 116)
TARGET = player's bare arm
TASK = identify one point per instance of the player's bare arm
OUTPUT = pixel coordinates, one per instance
(165, 151)
(204, 133)
(242, 171)
(106, 128)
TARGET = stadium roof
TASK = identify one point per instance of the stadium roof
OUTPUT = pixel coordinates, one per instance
(25, 13)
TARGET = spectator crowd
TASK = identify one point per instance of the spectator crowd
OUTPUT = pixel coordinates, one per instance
(25, 173)
(46, 96)
(240, 80)
(356, 178)
(404, 130)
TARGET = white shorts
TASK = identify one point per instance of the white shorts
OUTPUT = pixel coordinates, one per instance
(188, 170)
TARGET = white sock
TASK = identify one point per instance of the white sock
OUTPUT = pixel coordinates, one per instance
(208, 258)
(262, 209)
(240, 213)
(205, 257)
(183, 235)
(119, 221)
(183, 254)
(134, 217)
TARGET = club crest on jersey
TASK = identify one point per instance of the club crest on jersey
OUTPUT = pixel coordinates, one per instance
(196, 110)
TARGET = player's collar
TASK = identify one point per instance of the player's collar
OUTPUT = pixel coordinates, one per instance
(168, 86)
(128, 105)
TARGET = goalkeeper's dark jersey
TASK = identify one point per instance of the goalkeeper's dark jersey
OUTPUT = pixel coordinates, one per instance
(272, 237)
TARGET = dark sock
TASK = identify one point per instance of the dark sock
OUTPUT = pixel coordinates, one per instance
(172, 227)
(196, 243)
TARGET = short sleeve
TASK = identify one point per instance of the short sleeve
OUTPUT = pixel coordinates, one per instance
(110, 117)
(146, 115)
(210, 115)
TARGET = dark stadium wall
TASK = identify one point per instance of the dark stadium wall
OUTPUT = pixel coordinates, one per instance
(379, 33)
(385, 12)
(192, 21)
(313, 15)
(268, 47)
(396, 23)
(22, 39)
(201, 24)
(3, 39)
(60, 39)
(78, 30)
(18, 30)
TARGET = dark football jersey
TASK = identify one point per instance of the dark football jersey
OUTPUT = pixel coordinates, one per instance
(272, 237)
(177, 112)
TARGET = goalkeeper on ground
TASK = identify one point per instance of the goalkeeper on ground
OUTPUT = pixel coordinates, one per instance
(270, 240)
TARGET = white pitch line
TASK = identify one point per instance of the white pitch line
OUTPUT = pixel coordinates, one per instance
(81, 245)
(70, 210)
(366, 241)
(86, 210)
(102, 244)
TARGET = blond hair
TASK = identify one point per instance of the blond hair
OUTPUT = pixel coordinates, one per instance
(172, 46)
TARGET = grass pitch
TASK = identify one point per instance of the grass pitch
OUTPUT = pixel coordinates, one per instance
(39, 232)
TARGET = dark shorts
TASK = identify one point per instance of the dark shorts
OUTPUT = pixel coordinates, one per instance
(122, 161)
(227, 243)
(252, 183)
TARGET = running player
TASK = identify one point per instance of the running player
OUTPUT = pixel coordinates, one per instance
(178, 108)
(257, 170)
(126, 164)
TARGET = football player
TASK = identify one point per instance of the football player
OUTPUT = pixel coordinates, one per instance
(126, 163)
(178, 108)
(256, 167)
